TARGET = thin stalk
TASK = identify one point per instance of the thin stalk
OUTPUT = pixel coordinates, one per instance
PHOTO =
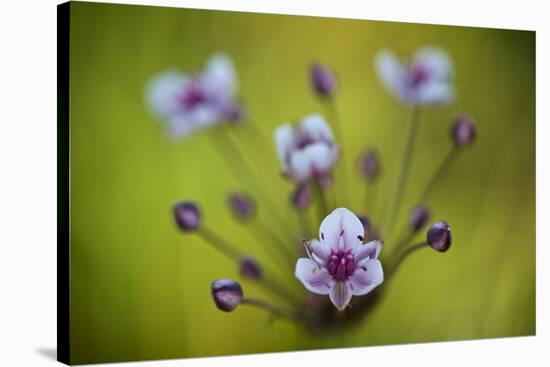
(278, 243)
(232, 253)
(396, 261)
(219, 243)
(439, 173)
(335, 118)
(238, 164)
(371, 195)
(321, 200)
(272, 309)
(404, 170)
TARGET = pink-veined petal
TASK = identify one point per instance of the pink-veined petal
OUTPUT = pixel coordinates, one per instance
(316, 128)
(366, 277)
(314, 277)
(340, 295)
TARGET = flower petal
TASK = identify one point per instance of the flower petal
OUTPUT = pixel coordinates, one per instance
(314, 277)
(342, 223)
(366, 277)
(316, 128)
(436, 61)
(164, 91)
(284, 141)
(340, 295)
(319, 249)
(392, 73)
(434, 92)
(219, 77)
(370, 250)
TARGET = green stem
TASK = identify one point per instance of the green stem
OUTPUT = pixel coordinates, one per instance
(405, 165)
(321, 200)
(272, 309)
(396, 261)
(439, 173)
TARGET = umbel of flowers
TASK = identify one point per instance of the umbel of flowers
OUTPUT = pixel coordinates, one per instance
(341, 271)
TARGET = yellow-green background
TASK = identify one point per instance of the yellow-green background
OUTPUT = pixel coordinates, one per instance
(140, 289)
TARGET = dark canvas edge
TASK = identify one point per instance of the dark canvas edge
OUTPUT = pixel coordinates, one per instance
(63, 185)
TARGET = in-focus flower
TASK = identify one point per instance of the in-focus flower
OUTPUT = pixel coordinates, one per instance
(425, 80)
(420, 215)
(249, 268)
(322, 79)
(242, 205)
(227, 294)
(463, 130)
(187, 103)
(306, 150)
(339, 264)
(187, 216)
(439, 236)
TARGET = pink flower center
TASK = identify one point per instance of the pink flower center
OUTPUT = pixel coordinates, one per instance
(341, 265)
(192, 96)
(418, 75)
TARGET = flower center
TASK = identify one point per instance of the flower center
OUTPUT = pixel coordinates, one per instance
(341, 265)
(418, 74)
(193, 96)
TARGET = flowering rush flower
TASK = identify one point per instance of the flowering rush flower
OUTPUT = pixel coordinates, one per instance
(426, 80)
(339, 264)
(187, 103)
(306, 150)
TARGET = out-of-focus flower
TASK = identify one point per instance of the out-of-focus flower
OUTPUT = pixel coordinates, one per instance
(301, 196)
(463, 130)
(369, 164)
(187, 103)
(439, 236)
(323, 81)
(420, 215)
(187, 216)
(242, 205)
(426, 80)
(339, 264)
(306, 150)
(227, 294)
(250, 268)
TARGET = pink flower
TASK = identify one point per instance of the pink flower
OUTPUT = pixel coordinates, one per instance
(426, 80)
(306, 150)
(187, 103)
(339, 264)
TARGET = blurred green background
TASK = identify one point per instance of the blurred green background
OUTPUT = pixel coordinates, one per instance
(140, 289)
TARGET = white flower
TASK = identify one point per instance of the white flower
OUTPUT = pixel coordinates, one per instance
(426, 80)
(306, 150)
(187, 103)
(340, 265)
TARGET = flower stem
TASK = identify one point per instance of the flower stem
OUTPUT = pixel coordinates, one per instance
(335, 118)
(404, 170)
(439, 173)
(371, 195)
(272, 309)
(277, 243)
(219, 243)
(321, 200)
(398, 259)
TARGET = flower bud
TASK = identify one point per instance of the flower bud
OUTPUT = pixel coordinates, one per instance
(301, 196)
(322, 80)
(187, 216)
(235, 113)
(439, 236)
(463, 130)
(250, 268)
(420, 215)
(227, 294)
(369, 164)
(242, 206)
